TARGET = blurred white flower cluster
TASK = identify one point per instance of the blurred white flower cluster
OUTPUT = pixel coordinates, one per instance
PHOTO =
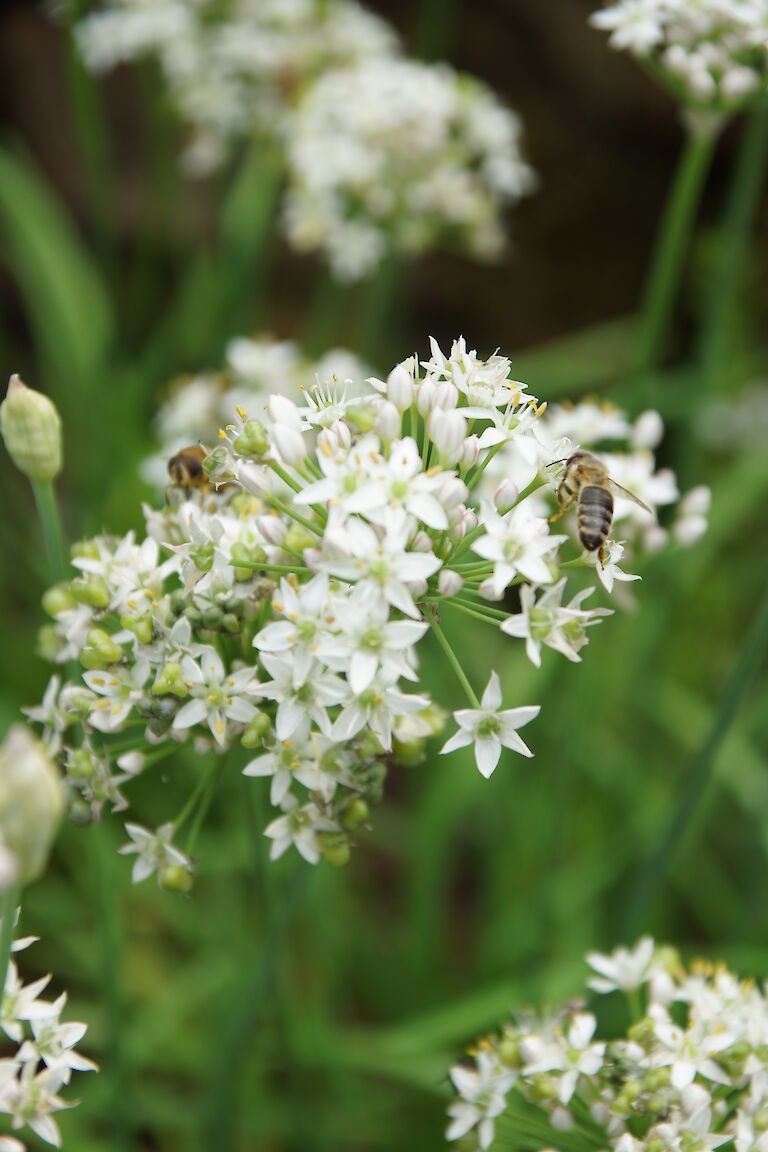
(232, 70)
(713, 54)
(382, 154)
(396, 155)
(283, 610)
(197, 406)
(33, 1075)
(689, 1073)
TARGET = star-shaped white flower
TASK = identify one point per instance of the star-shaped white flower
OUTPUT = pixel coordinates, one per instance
(489, 729)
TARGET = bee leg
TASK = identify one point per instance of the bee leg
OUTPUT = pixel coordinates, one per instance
(601, 556)
(562, 511)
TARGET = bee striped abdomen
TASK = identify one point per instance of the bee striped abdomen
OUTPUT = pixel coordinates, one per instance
(595, 517)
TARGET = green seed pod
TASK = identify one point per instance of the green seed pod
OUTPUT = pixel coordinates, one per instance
(100, 650)
(81, 764)
(31, 428)
(84, 550)
(252, 441)
(409, 753)
(91, 590)
(141, 626)
(258, 729)
(354, 813)
(298, 538)
(176, 878)
(509, 1051)
(58, 599)
(79, 812)
(31, 803)
(362, 416)
(49, 644)
(170, 680)
(334, 847)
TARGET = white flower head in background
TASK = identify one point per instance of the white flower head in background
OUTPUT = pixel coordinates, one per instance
(711, 54)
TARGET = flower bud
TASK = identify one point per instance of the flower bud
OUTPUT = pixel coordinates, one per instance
(447, 430)
(696, 501)
(272, 528)
(31, 428)
(387, 422)
(142, 626)
(289, 444)
(469, 452)
(90, 590)
(449, 583)
(648, 430)
(362, 416)
(505, 496)
(245, 554)
(422, 542)
(446, 396)
(425, 397)
(354, 813)
(452, 493)
(400, 387)
(298, 538)
(31, 803)
(100, 650)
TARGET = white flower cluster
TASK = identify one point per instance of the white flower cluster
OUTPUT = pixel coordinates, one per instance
(236, 69)
(395, 155)
(713, 54)
(197, 406)
(45, 1057)
(690, 1072)
(382, 154)
(282, 612)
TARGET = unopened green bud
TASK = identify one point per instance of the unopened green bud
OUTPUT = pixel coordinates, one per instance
(760, 1119)
(84, 550)
(58, 599)
(81, 763)
(31, 806)
(362, 415)
(79, 812)
(170, 680)
(656, 1078)
(248, 554)
(657, 1103)
(354, 813)
(543, 1087)
(141, 626)
(655, 1144)
(230, 624)
(91, 590)
(100, 650)
(734, 1058)
(408, 753)
(298, 538)
(252, 441)
(176, 878)
(334, 847)
(31, 429)
(509, 1051)
(212, 617)
(259, 727)
(371, 745)
(643, 1032)
(49, 644)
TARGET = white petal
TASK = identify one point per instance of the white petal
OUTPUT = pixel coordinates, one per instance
(487, 752)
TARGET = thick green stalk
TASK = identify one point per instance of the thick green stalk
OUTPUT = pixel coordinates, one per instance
(48, 513)
(743, 203)
(698, 776)
(671, 247)
(10, 901)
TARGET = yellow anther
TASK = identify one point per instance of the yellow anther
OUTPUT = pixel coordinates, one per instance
(114, 680)
(131, 603)
(219, 726)
(222, 434)
(99, 680)
(241, 412)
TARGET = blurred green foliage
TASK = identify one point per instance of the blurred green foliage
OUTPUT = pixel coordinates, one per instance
(284, 1008)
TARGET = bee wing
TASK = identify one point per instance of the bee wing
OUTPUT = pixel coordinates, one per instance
(617, 488)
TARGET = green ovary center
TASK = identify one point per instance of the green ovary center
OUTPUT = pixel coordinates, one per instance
(371, 640)
(488, 726)
(399, 489)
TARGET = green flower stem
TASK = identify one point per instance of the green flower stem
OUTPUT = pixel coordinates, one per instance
(213, 775)
(452, 659)
(256, 566)
(460, 606)
(382, 297)
(656, 869)
(464, 545)
(10, 902)
(495, 613)
(284, 475)
(671, 247)
(48, 513)
(194, 796)
(635, 1007)
(744, 199)
(288, 511)
(475, 476)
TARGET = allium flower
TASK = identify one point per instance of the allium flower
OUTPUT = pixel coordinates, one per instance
(393, 155)
(32, 1076)
(489, 729)
(282, 606)
(712, 54)
(694, 1082)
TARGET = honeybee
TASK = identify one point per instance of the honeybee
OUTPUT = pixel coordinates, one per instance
(186, 468)
(586, 481)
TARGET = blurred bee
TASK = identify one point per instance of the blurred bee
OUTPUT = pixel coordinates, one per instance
(586, 481)
(186, 468)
